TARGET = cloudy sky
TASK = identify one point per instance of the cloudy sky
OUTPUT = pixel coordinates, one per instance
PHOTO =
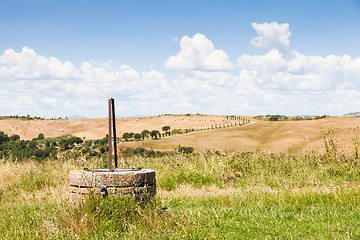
(64, 58)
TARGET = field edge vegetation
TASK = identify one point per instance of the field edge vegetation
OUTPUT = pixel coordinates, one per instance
(200, 195)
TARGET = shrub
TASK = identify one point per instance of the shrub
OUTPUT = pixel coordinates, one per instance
(137, 136)
(184, 150)
(274, 118)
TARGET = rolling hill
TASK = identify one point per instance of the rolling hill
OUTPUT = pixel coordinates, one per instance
(289, 136)
(284, 136)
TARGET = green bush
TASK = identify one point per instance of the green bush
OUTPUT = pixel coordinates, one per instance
(184, 150)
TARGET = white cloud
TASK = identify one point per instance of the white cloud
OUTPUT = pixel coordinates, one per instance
(285, 81)
(271, 35)
(42, 83)
(281, 81)
(292, 70)
(199, 53)
(28, 65)
(300, 72)
(49, 101)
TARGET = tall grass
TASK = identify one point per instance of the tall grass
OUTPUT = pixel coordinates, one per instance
(256, 195)
(279, 171)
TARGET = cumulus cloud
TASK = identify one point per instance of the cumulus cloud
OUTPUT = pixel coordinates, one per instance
(280, 81)
(46, 82)
(293, 70)
(301, 72)
(271, 35)
(28, 65)
(199, 53)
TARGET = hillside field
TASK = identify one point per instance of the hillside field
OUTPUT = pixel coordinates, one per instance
(285, 136)
(97, 128)
(288, 193)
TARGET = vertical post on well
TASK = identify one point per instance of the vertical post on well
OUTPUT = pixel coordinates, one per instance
(110, 136)
(114, 131)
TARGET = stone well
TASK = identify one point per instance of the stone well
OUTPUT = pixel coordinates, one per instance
(138, 183)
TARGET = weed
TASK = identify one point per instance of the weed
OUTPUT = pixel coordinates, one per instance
(330, 142)
(355, 141)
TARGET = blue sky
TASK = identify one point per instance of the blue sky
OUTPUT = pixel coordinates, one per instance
(61, 58)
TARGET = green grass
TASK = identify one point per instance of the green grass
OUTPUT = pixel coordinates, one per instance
(200, 196)
(307, 215)
(255, 216)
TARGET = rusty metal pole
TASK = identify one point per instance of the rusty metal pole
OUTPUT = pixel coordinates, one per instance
(114, 132)
(110, 137)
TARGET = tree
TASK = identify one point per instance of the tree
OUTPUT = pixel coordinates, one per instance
(145, 133)
(102, 150)
(274, 118)
(176, 131)
(68, 143)
(3, 137)
(33, 144)
(154, 133)
(14, 137)
(137, 136)
(131, 135)
(103, 141)
(166, 129)
(41, 136)
(126, 136)
(74, 139)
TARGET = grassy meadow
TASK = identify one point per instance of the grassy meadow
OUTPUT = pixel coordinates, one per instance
(248, 195)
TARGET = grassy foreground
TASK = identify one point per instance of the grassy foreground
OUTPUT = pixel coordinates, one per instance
(200, 196)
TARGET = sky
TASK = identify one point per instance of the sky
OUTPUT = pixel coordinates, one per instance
(226, 57)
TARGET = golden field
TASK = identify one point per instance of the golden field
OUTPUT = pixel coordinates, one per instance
(284, 136)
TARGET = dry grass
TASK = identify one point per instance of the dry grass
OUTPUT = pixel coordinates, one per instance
(188, 191)
(33, 183)
(282, 137)
(97, 128)
(262, 135)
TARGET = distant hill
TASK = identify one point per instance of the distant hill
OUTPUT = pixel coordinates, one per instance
(352, 114)
(282, 136)
(95, 128)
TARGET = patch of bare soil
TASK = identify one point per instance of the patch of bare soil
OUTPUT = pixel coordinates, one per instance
(98, 127)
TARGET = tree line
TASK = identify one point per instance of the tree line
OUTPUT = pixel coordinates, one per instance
(40, 148)
(27, 117)
(287, 118)
(154, 134)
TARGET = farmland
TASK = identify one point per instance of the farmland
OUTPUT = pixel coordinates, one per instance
(262, 135)
(275, 180)
(280, 137)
